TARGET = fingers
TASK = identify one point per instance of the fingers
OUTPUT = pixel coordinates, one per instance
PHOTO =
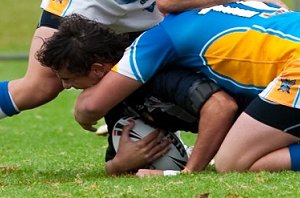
(186, 170)
(155, 140)
(89, 127)
(160, 150)
(146, 150)
(157, 135)
(156, 149)
(126, 131)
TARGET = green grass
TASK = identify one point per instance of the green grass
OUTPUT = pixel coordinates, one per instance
(18, 20)
(44, 153)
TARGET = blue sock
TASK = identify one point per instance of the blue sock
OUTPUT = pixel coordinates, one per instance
(295, 156)
(7, 106)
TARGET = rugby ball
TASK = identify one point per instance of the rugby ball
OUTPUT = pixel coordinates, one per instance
(175, 159)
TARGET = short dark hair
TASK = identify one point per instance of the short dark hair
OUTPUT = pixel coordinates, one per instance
(79, 43)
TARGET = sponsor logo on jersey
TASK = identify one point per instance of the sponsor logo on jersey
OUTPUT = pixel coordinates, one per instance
(286, 85)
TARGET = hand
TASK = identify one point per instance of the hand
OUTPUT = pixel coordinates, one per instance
(132, 155)
(186, 171)
(149, 172)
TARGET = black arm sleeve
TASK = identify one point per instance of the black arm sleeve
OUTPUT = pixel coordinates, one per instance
(183, 87)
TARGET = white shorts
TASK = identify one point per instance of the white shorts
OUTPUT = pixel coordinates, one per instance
(120, 15)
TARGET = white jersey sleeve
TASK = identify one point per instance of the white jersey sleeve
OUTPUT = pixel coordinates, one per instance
(120, 15)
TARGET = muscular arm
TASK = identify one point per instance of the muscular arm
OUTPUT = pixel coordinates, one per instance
(214, 109)
(167, 6)
(216, 117)
(93, 103)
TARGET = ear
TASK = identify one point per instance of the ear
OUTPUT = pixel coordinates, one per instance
(97, 69)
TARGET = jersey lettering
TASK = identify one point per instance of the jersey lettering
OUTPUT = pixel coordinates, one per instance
(230, 10)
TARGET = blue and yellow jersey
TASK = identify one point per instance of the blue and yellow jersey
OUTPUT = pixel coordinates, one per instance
(242, 46)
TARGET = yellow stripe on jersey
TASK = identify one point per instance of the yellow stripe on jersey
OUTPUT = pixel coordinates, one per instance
(247, 61)
(114, 68)
(57, 7)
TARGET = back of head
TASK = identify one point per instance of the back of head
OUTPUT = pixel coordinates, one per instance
(79, 43)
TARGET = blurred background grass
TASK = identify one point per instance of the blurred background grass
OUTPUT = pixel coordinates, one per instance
(18, 20)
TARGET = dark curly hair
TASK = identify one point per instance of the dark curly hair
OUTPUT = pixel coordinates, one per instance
(79, 43)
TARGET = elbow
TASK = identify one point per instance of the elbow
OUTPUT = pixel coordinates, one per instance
(86, 107)
(230, 107)
(225, 104)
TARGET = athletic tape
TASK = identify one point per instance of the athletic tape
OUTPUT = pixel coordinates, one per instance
(171, 173)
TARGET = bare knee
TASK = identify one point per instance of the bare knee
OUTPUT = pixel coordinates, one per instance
(222, 164)
(228, 163)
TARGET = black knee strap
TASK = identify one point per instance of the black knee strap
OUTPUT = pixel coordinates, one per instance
(199, 92)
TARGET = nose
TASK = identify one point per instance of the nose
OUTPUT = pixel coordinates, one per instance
(66, 85)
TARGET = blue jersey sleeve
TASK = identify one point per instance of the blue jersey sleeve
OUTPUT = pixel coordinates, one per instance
(148, 54)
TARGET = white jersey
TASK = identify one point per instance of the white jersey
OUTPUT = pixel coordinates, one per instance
(120, 15)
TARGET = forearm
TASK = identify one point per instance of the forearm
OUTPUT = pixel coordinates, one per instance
(86, 113)
(216, 117)
(93, 103)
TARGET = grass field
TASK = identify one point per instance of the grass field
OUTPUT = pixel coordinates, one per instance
(44, 153)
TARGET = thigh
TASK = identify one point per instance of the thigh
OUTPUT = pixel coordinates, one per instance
(47, 26)
(247, 141)
(40, 84)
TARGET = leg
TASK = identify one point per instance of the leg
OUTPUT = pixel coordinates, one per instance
(276, 161)
(287, 158)
(40, 84)
(248, 141)
(259, 139)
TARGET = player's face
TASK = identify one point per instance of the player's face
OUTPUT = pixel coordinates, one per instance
(80, 81)
(77, 81)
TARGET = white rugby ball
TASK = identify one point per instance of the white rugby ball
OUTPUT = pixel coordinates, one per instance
(175, 159)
